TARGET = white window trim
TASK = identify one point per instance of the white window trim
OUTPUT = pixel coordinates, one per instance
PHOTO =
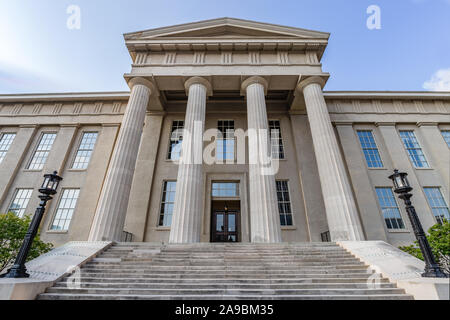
(80, 139)
(400, 210)
(377, 145)
(61, 193)
(293, 226)
(35, 149)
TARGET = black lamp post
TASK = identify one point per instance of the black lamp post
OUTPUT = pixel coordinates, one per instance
(48, 188)
(402, 187)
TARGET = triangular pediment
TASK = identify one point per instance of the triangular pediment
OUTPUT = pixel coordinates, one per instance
(223, 28)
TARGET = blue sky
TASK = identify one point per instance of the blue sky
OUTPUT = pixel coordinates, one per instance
(38, 53)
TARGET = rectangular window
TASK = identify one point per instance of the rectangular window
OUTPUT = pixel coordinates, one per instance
(446, 136)
(225, 189)
(176, 139)
(41, 153)
(389, 208)
(84, 151)
(284, 203)
(20, 202)
(167, 203)
(225, 140)
(6, 140)
(370, 149)
(276, 141)
(413, 148)
(437, 204)
(65, 210)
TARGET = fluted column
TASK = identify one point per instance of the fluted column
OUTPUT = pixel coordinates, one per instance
(111, 209)
(340, 205)
(264, 215)
(188, 207)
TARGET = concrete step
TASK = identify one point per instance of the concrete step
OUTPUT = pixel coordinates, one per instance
(232, 285)
(159, 280)
(222, 276)
(225, 271)
(223, 291)
(132, 266)
(59, 296)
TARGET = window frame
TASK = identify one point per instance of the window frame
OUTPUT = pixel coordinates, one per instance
(35, 149)
(427, 161)
(2, 134)
(161, 202)
(55, 211)
(14, 197)
(443, 136)
(292, 225)
(238, 191)
(78, 149)
(429, 204)
(377, 148)
(225, 161)
(405, 228)
(280, 137)
(169, 145)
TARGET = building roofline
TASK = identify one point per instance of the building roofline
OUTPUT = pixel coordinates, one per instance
(224, 20)
(387, 94)
(66, 96)
(121, 95)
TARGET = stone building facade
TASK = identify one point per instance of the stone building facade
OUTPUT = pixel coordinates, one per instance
(119, 152)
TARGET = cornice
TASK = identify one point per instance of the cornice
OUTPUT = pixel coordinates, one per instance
(227, 21)
(386, 95)
(69, 96)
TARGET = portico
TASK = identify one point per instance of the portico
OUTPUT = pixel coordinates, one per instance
(215, 45)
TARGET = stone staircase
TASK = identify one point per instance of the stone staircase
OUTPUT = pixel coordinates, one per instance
(224, 271)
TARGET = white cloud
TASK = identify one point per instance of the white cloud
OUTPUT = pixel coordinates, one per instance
(440, 81)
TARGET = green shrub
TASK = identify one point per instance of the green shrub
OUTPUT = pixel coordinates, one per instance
(12, 233)
(439, 238)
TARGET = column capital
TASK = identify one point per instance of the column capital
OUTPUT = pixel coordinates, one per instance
(304, 81)
(198, 80)
(253, 80)
(142, 81)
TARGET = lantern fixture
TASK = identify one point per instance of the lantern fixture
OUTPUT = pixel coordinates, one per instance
(401, 183)
(403, 188)
(50, 184)
(48, 188)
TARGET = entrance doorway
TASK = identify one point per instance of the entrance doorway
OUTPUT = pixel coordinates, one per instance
(225, 222)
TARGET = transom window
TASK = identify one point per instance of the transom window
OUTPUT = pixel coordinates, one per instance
(225, 140)
(65, 210)
(437, 204)
(42, 151)
(389, 208)
(84, 151)
(6, 140)
(167, 203)
(370, 149)
(20, 202)
(276, 141)
(284, 203)
(225, 189)
(413, 148)
(176, 139)
(446, 136)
